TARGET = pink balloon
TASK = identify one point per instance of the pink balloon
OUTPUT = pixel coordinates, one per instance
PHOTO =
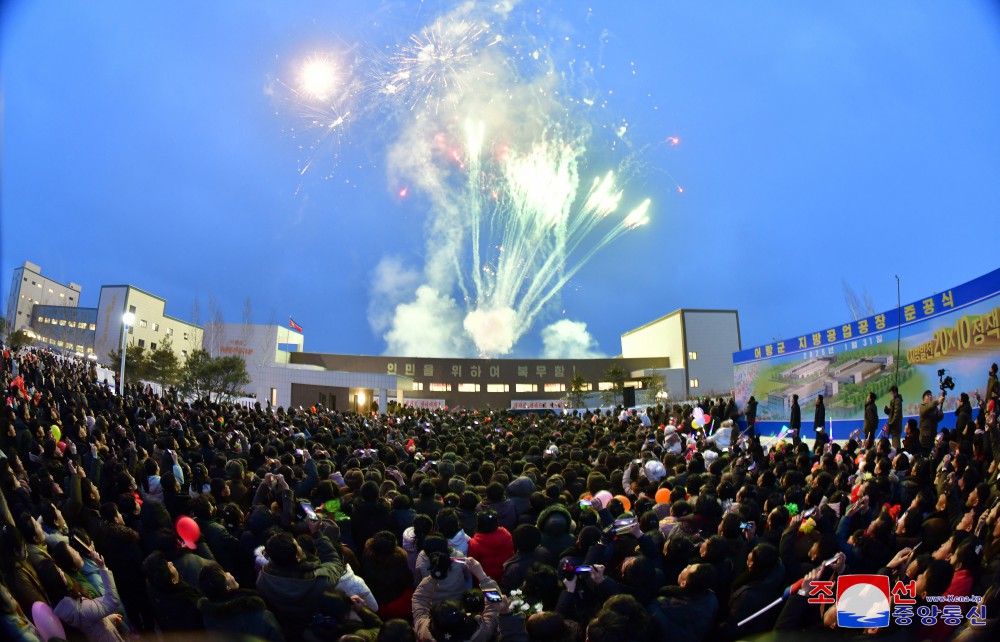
(189, 531)
(46, 622)
(604, 496)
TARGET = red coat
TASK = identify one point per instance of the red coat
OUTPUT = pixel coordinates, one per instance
(492, 550)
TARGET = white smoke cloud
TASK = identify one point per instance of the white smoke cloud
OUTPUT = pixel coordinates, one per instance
(428, 326)
(566, 339)
(393, 283)
(492, 330)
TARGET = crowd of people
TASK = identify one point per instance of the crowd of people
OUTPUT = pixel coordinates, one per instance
(137, 516)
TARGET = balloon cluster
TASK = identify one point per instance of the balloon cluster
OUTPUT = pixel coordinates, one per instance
(699, 419)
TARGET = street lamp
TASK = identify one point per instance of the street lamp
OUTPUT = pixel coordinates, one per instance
(127, 319)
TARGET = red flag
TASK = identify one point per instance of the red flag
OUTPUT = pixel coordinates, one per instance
(293, 325)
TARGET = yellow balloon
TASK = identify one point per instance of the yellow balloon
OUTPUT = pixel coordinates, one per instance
(56, 433)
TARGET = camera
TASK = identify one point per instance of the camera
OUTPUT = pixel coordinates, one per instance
(945, 382)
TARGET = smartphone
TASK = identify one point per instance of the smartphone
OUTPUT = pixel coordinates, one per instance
(809, 513)
(493, 595)
(459, 560)
(746, 525)
(583, 569)
(586, 503)
(626, 522)
(298, 451)
(309, 510)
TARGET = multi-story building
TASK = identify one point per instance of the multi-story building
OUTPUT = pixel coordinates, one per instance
(151, 327)
(29, 288)
(699, 345)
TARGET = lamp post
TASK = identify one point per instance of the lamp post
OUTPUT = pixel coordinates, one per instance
(127, 319)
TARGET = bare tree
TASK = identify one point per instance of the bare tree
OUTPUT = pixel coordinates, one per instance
(214, 326)
(859, 307)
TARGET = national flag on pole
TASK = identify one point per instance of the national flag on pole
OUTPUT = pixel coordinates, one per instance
(293, 325)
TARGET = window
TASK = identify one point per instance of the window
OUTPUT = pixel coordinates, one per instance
(605, 385)
(185, 353)
(39, 286)
(62, 295)
(152, 346)
(142, 323)
(62, 322)
(142, 343)
(418, 385)
(185, 336)
(59, 343)
(71, 298)
(131, 329)
(554, 387)
(525, 387)
(156, 327)
(170, 332)
(33, 283)
(498, 387)
(692, 383)
(25, 279)
(131, 309)
(587, 387)
(51, 291)
(439, 387)
(274, 396)
(468, 387)
(92, 327)
(72, 324)
(692, 356)
(79, 348)
(90, 351)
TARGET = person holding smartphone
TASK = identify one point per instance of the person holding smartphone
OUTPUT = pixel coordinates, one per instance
(447, 620)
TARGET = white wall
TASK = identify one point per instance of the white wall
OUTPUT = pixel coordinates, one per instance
(715, 337)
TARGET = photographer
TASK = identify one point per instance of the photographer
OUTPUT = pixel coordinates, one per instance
(931, 411)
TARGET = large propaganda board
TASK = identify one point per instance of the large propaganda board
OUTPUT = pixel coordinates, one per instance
(957, 330)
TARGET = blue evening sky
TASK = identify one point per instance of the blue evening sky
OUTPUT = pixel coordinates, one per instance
(153, 143)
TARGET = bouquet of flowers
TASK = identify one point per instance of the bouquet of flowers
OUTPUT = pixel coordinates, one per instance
(519, 604)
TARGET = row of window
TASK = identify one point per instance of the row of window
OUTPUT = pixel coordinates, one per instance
(65, 344)
(72, 324)
(62, 295)
(518, 387)
(152, 346)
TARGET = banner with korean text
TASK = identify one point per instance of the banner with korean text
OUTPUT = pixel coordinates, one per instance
(957, 330)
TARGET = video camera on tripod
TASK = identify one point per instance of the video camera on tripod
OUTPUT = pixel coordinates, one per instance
(945, 382)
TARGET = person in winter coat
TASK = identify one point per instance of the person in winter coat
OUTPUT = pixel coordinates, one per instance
(14, 624)
(97, 618)
(528, 552)
(384, 568)
(686, 612)
(557, 527)
(722, 437)
(370, 515)
(339, 616)
(503, 507)
(446, 620)
(870, 424)
(519, 492)
(225, 548)
(795, 421)
(291, 585)
(492, 545)
(762, 582)
(448, 525)
(229, 609)
(446, 565)
(413, 541)
(174, 602)
(819, 417)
